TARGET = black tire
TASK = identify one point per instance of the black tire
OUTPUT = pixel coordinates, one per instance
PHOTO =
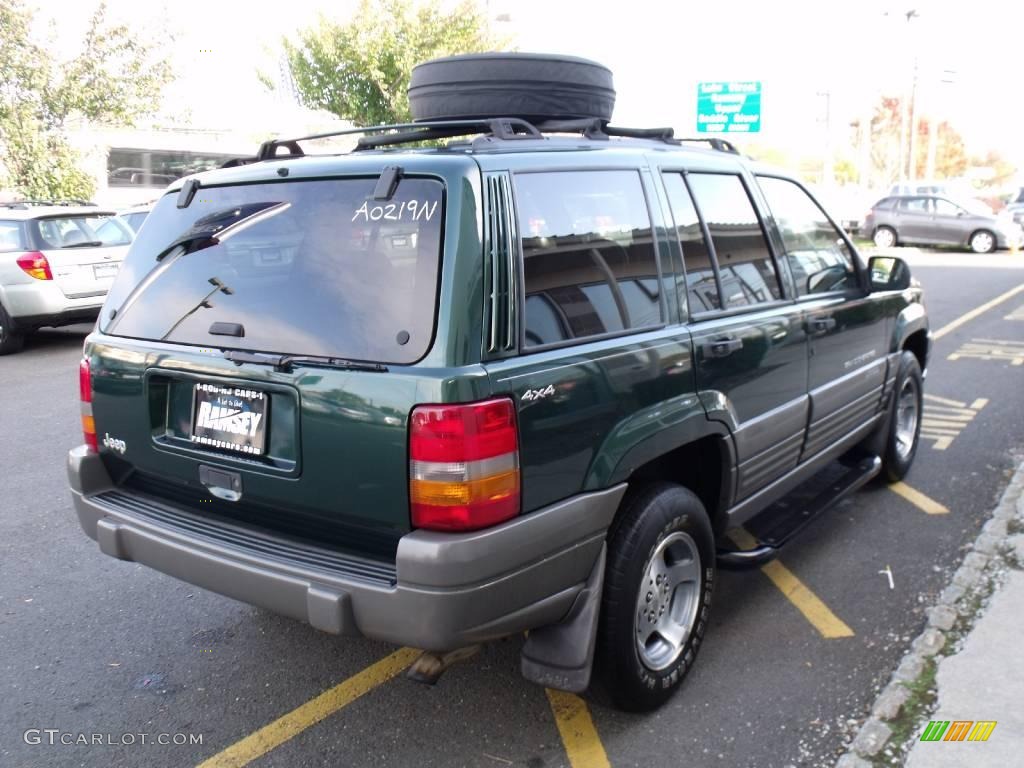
(982, 241)
(898, 456)
(657, 515)
(11, 341)
(535, 87)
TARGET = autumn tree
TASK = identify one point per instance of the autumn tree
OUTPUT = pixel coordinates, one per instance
(886, 125)
(114, 78)
(360, 70)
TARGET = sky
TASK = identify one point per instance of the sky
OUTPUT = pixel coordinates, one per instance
(820, 63)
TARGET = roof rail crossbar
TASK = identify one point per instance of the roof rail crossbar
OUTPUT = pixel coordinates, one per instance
(661, 134)
(721, 145)
(499, 128)
(503, 127)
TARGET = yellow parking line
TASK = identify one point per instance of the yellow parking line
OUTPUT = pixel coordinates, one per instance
(312, 712)
(968, 316)
(918, 499)
(809, 604)
(575, 726)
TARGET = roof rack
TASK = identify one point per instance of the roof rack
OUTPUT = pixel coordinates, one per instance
(22, 204)
(505, 128)
(718, 144)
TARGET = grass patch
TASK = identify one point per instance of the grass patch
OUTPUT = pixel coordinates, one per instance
(907, 724)
(1014, 526)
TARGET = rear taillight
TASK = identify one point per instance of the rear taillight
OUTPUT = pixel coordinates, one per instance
(85, 392)
(463, 465)
(34, 264)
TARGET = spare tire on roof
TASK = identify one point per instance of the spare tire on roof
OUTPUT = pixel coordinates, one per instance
(532, 86)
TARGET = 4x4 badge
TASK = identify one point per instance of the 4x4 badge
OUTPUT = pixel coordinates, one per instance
(538, 394)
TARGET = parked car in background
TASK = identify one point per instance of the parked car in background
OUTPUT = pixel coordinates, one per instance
(936, 220)
(56, 264)
(135, 215)
(1015, 206)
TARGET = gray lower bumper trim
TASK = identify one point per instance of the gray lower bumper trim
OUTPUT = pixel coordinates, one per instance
(452, 590)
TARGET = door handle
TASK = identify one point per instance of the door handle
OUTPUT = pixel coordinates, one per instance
(817, 325)
(722, 347)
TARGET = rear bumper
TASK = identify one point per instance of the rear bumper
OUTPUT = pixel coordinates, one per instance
(446, 590)
(41, 302)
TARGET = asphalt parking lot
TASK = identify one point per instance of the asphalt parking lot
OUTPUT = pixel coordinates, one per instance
(94, 646)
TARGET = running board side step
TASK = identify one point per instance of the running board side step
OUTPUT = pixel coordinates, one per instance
(783, 520)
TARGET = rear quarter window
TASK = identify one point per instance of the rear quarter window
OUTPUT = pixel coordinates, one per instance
(12, 236)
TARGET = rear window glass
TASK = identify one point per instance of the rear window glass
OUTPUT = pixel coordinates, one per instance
(588, 255)
(12, 236)
(58, 232)
(305, 267)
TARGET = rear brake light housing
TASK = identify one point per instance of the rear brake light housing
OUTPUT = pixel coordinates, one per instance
(34, 264)
(463, 465)
(85, 394)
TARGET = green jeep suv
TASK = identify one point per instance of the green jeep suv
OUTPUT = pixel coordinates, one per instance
(523, 379)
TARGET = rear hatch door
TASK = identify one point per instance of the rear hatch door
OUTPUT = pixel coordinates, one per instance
(254, 355)
(85, 250)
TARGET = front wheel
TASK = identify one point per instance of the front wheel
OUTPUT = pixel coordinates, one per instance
(905, 420)
(657, 596)
(983, 242)
(885, 237)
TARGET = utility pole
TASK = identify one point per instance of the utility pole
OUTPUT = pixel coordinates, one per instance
(912, 173)
(947, 78)
(827, 164)
(909, 15)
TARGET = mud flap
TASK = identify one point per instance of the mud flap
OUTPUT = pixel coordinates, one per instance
(561, 655)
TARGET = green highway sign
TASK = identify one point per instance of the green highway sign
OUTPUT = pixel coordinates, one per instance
(729, 107)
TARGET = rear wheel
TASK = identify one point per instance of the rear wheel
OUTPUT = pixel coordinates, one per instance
(983, 241)
(905, 422)
(657, 596)
(885, 237)
(10, 339)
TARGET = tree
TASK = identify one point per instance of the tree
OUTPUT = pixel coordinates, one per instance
(114, 79)
(360, 70)
(886, 124)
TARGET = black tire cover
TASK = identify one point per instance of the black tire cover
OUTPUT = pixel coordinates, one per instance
(532, 86)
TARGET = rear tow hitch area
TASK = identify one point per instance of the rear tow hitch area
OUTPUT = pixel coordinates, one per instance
(429, 666)
(776, 525)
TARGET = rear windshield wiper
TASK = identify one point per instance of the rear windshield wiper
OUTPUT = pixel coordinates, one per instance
(84, 244)
(285, 363)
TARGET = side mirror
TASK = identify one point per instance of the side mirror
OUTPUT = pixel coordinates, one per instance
(829, 279)
(888, 273)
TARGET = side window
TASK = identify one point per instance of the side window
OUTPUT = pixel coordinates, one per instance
(11, 236)
(818, 255)
(946, 208)
(914, 204)
(701, 285)
(745, 265)
(588, 255)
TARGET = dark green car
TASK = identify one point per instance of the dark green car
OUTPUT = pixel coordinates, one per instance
(523, 381)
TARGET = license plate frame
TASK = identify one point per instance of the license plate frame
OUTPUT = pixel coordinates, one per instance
(104, 271)
(230, 418)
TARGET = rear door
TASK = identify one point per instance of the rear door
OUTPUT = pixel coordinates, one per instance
(85, 251)
(749, 343)
(913, 220)
(846, 328)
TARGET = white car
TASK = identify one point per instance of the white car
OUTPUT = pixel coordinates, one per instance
(56, 264)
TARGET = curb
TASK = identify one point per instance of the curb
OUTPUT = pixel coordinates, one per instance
(950, 619)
